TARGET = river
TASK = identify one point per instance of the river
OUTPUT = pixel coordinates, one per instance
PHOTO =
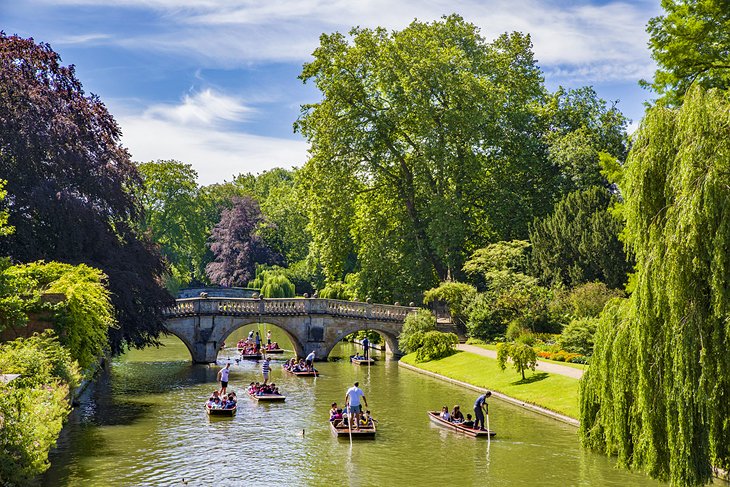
(144, 424)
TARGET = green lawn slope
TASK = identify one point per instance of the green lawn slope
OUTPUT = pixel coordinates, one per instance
(555, 392)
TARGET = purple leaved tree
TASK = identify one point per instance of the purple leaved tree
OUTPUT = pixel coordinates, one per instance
(237, 245)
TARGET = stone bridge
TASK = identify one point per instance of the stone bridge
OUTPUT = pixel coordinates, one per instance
(312, 324)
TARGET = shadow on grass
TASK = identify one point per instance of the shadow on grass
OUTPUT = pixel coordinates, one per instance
(536, 377)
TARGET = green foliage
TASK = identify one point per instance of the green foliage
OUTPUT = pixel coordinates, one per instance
(415, 327)
(583, 301)
(522, 355)
(173, 217)
(579, 242)
(272, 283)
(690, 43)
(436, 345)
(34, 406)
(657, 391)
(82, 320)
(577, 337)
(457, 295)
(491, 262)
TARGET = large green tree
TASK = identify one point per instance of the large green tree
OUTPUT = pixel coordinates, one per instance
(657, 391)
(72, 186)
(691, 45)
(173, 216)
(421, 148)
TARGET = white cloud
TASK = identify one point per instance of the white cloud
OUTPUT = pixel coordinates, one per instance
(199, 131)
(231, 32)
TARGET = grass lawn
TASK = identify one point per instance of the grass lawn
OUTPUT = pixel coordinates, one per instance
(567, 364)
(551, 391)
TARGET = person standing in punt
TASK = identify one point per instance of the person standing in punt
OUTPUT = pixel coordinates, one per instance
(480, 409)
(309, 361)
(223, 377)
(365, 347)
(352, 398)
(265, 369)
(258, 343)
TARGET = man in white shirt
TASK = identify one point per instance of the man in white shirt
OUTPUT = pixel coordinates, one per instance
(310, 361)
(352, 399)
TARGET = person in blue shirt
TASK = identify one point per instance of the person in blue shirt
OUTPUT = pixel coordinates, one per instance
(365, 347)
(480, 409)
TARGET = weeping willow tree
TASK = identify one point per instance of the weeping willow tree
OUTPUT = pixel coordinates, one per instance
(657, 393)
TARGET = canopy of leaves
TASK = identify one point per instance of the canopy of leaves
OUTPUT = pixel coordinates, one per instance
(72, 185)
(579, 242)
(691, 45)
(522, 355)
(577, 337)
(419, 146)
(173, 218)
(657, 391)
(237, 244)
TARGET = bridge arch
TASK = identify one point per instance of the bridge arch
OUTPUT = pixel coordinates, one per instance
(390, 336)
(298, 347)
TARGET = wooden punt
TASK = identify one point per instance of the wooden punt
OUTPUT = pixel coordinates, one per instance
(221, 412)
(437, 419)
(268, 397)
(362, 360)
(250, 356)
(274, 350)
(303, 373)
(344, 432)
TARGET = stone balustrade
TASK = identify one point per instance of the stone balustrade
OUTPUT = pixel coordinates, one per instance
(286, 307)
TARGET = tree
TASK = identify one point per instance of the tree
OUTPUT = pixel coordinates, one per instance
(173, 217)
(73, 187)
(690, 43)
(581, 126)
(457, 295)
(422, 147)
(579, 242)
(436, 345)
(237, 244)
(415, 327)
(523, 356)
(657, 391)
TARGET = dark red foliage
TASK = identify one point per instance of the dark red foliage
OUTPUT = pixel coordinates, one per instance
(71, 185)
(237, 246)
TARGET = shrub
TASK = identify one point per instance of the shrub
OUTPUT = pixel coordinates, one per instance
(415, 327)
(456, 294)
(436, 345)
(577, 337)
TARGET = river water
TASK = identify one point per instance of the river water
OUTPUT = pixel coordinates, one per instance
(144, 424)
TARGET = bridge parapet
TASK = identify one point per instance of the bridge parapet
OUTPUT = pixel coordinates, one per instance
(286, 307)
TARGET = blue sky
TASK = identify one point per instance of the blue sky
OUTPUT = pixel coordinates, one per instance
(214, 82)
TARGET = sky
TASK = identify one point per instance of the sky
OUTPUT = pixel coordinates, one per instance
(213, 83)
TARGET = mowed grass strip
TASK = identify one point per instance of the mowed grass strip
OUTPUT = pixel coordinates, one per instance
(551, 391)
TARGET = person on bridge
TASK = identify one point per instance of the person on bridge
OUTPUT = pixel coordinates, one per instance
(481, 403)
(309, 361)
(265, 369)
(352, 399)
(223, 378)
(365, 347)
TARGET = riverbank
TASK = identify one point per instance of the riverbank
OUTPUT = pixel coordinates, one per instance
(551, 394)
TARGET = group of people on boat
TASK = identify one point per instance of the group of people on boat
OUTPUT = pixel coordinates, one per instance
(221, 401)
(249, 346)
(258, 389)
(353, 413)
(456, 416)
(301, 365)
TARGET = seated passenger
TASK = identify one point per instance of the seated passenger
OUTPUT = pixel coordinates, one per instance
(469, 423)
(333, 411)
(445, 413)
(456, 415)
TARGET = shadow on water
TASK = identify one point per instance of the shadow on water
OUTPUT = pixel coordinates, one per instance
(536, 377)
